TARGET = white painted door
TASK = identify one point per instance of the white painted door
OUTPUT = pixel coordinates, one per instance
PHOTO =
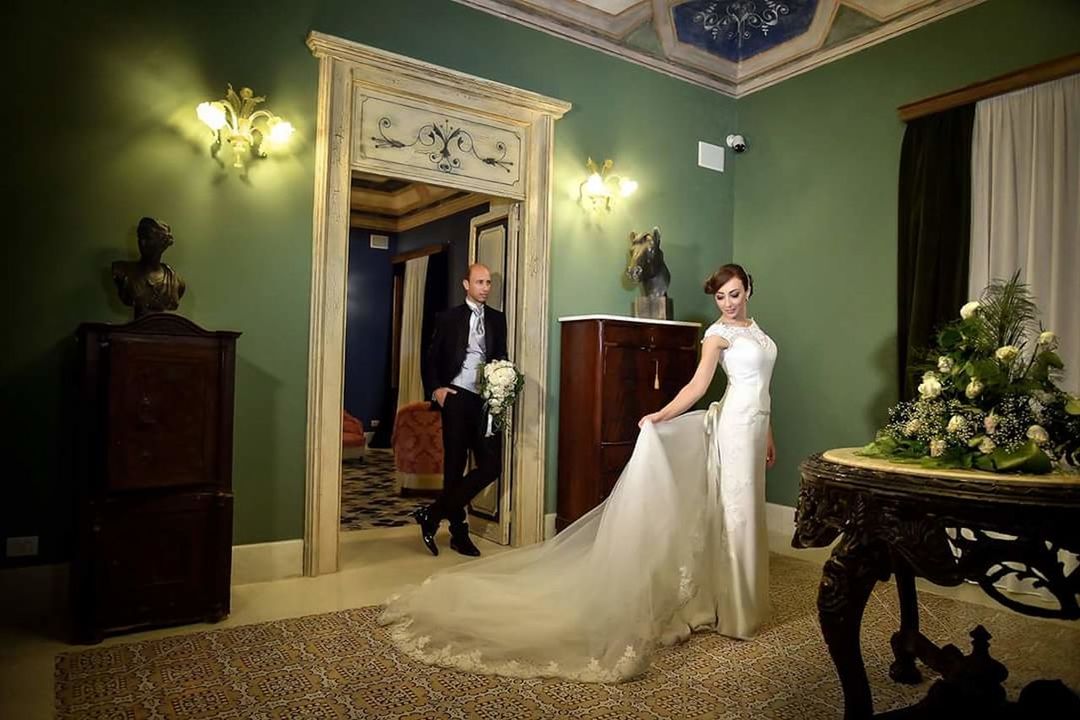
(493, 241)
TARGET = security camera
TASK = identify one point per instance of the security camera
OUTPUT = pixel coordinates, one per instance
(736, 143)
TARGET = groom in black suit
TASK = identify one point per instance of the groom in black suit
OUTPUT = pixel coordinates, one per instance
(465, 337)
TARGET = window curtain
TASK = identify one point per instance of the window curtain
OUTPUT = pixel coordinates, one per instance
(410, 384)
(934, 232)
(1025, 211)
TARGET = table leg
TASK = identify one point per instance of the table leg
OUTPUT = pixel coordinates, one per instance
(846, 582)
(905, 641)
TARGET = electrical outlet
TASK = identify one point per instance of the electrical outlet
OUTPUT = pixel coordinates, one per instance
(22, 546)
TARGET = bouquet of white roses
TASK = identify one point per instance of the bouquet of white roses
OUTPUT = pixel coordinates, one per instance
(500, 383)
(988, 397)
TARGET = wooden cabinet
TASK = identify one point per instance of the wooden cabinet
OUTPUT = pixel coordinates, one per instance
(153, 540)
(614, 370)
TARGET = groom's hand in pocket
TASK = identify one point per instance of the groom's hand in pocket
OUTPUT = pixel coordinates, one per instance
(441, 393)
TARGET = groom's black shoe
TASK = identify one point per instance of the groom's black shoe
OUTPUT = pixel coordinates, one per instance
(428, 528)
(462, 543)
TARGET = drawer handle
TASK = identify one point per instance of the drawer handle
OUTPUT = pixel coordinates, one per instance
(656, 377)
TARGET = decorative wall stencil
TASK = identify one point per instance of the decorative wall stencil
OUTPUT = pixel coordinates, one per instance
(430, 139)
(733, 46)
(446, 143)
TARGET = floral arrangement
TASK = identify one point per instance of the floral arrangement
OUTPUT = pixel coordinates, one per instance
(500, 383)
(988, 398)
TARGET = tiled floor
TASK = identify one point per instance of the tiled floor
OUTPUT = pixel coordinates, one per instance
(369, 497)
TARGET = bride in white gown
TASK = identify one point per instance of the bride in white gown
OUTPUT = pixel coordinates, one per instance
(679, 545)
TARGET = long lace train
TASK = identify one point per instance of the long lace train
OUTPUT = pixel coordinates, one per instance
(593, 603)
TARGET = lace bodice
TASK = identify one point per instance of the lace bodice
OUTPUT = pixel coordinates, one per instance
(730, 332)
(748, 363)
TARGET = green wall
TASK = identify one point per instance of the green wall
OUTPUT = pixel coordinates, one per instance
(815, 212)
(101, 131)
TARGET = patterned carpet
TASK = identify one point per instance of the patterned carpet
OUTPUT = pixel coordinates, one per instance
(340, 665)
(368, 495)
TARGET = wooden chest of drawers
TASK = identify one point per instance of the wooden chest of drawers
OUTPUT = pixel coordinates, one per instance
(614, 370)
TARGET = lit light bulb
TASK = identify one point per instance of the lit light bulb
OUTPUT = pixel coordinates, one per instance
(211, 113)
(627, 187)
(595, 185)
(280, 132)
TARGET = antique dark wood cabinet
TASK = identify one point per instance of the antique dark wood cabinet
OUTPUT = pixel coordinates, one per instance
(614, 370)
(154, 501)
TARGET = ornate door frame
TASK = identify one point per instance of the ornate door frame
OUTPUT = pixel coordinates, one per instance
(391, 115)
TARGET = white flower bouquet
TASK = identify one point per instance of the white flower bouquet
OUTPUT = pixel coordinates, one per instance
(988, 397)
(500, 383)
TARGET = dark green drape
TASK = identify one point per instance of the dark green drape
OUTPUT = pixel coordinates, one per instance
(934, 232)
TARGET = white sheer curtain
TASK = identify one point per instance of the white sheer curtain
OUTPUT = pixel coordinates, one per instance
(410, 384)
(1025, 203)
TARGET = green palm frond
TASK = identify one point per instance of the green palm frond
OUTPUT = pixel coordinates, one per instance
(1006, 314)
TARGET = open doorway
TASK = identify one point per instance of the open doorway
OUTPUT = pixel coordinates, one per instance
(386, 114)
(410, 243)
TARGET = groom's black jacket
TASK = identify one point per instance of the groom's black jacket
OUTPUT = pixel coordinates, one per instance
(450, 340)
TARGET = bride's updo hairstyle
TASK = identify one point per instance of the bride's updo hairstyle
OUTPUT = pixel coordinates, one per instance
(719, 278)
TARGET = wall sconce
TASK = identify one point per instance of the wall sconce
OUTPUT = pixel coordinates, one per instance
(601, 189)
(236, 121)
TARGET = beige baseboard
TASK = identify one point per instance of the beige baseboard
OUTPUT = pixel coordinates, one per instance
(549, 526)
(263, 562)
(780, 520)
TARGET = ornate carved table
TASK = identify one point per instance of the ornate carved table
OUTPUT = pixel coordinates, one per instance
(946, 526)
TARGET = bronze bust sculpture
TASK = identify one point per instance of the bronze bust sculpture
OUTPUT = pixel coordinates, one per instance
(147, 284)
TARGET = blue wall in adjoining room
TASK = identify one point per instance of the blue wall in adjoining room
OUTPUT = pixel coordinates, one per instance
(367, 324)
(370, 297)
(453, 232)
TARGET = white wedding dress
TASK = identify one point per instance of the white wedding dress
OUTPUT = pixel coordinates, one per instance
(679, 545)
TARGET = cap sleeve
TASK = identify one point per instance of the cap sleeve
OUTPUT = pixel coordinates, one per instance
(717, 330)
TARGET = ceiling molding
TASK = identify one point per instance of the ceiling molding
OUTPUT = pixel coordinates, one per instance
(419, 216)
(701, 60)
(616, 26)
(410, 198)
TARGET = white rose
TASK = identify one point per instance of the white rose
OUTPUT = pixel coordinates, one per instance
(1038, 435)
(1006, 353)
(969, 309)
(956, 423)
(986, 446)
(930, 386)
(974, 389)
(495, 408)
(912, 427)
(1047, 339)
(937, 447)
(945, 364)
(991, 423)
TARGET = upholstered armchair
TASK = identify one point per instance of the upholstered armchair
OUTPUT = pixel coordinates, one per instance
(353, 440)
(418, 449)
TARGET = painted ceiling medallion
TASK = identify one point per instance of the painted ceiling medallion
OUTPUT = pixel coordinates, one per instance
(733, 46)
(738, 30)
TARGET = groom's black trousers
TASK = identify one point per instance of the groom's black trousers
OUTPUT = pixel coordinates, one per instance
(464, 424)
